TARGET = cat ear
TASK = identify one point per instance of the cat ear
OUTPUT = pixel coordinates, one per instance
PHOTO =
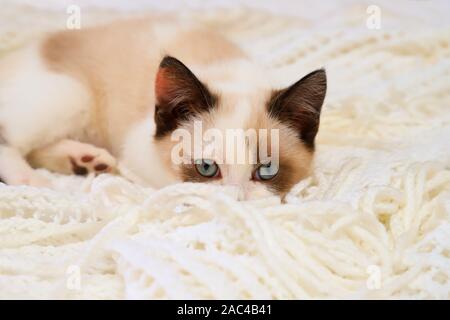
(179, 96)
(299, 105)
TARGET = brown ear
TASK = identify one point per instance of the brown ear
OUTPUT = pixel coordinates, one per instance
(180, 96)
(299, 105)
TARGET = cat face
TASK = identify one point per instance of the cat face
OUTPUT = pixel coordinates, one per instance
(260, 140)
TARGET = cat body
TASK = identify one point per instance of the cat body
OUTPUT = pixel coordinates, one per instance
(79, 101)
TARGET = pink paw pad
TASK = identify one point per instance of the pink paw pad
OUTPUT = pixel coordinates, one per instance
(101, 167)
(87, 158)
(99, 161)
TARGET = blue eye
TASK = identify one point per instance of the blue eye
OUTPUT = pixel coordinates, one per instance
(207, 168)
(265, 172)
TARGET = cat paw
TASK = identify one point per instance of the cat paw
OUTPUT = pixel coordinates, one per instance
(95, 160)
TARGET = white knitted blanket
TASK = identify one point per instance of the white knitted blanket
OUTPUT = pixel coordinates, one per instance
(372, 222)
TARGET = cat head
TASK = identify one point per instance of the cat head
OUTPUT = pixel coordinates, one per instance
(226, 129)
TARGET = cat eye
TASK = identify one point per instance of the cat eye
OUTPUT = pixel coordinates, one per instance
(207, 168)
(265, 172)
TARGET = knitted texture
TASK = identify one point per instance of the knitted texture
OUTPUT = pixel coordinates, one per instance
(371, 222)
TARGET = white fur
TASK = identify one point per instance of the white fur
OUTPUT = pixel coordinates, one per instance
(37, 106)
(139, 154)
(237, 76)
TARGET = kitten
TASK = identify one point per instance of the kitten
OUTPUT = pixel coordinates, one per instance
(75, 101)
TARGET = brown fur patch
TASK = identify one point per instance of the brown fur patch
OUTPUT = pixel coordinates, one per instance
(290, 172)
(295, 158)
